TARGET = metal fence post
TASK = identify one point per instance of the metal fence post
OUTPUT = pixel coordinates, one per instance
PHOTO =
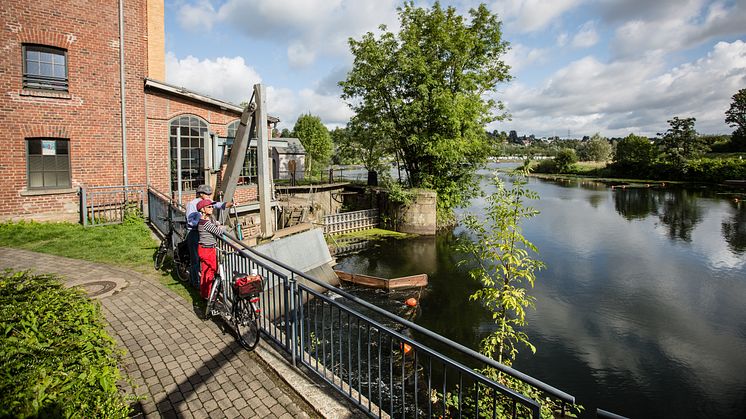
(83, 207)
(293, 318)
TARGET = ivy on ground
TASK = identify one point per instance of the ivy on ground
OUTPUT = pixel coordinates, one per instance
(56, 358)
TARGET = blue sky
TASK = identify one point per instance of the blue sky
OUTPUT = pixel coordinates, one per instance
(580, 66)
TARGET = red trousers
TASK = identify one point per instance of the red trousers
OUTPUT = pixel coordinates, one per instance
(209, 265)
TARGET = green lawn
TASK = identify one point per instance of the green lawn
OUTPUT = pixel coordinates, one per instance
(130, 245)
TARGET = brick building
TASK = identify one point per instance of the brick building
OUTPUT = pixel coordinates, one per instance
(73, 116)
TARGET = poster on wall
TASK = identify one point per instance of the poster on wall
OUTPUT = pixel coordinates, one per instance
(48, 147)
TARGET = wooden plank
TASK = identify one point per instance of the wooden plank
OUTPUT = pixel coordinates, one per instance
(412, 281)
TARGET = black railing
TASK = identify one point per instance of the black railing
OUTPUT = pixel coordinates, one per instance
(377, 360)
(377, 364)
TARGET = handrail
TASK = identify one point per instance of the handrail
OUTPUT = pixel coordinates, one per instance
(467, 351)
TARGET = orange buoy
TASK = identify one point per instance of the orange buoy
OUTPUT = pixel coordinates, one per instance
(407, 349)
(412, 302)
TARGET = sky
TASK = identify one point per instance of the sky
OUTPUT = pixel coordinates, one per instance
(579, 67)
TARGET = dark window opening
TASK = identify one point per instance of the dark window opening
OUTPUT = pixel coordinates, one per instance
(44, 68)
(48, 163)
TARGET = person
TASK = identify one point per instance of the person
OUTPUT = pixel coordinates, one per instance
(207, 228)
(192, 217)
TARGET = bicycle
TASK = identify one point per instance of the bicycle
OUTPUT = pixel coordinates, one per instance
(239, 308)
(179, 252)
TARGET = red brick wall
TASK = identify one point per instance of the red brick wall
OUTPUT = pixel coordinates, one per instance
(161, 109)
(88, 114)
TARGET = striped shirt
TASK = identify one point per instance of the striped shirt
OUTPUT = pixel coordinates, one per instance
(208, 229)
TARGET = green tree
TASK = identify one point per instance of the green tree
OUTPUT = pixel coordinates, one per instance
(633, 151)
(681, 142)
(596, 149)
(505, 267)
(735, 116)
(564, 160)
(315, 139)
(506, 270)
(286, 133)
(425, 89)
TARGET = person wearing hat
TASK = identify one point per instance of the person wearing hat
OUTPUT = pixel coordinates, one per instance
(207, 228)
(193, 216)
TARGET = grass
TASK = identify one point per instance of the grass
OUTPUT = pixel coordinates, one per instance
(371, 234)
(130, 245)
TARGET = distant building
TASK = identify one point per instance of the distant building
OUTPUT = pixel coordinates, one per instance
(289, 160)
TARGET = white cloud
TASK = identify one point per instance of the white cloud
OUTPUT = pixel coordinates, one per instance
(586, 36)
(197, 17)
(224, 78)
(532, 15)
(309, 28)
(562, 39)
(687, 25)
(231, 80)
(289, 105)
(639, 96)
(519, 56)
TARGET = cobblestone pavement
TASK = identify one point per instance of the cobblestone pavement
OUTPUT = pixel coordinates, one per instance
(185, 367)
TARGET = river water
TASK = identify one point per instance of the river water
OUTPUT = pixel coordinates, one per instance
(641, 309)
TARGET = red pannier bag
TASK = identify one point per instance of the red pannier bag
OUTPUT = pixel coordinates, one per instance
(248, 285)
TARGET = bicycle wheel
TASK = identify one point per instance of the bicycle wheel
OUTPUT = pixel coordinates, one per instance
(216, 289)
(181, 268)
(160, 256)
(247, 324)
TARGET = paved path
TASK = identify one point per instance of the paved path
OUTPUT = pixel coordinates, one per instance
(183, 365)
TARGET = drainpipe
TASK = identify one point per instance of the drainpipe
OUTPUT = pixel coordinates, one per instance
(122, 91)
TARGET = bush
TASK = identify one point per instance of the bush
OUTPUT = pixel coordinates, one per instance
(57, 359)
(564, 160)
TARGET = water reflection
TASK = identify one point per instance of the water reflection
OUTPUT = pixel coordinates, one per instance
(640, 309)
(635, 203)
(734, 228)
(680, 213)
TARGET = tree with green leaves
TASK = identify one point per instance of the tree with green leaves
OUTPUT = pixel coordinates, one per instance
(564, 160)
(426, 90)
(634, 151)
(315, 139)
(681, 142)
(505, 267)
(595, 149)
(735, 116)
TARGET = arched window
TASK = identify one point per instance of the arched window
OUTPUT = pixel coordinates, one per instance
(249, 172)
(188, 132)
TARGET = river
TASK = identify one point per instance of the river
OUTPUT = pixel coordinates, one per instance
(641, 307)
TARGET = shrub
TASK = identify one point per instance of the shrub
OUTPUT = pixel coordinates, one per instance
(57, 359)
(564, 160)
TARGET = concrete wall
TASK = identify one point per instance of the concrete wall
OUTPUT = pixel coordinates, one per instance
(420, 216)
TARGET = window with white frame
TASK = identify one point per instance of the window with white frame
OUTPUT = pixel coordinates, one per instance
(44, 68)
(187, 136)
(48, 163)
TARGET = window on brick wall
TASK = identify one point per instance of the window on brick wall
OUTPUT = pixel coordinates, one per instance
(249, 171)
(44, 68)
(48, 164)
(187, 136)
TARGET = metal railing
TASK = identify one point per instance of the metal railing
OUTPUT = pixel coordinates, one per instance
(346, 222)
(103, 205)
(160, 208)
(384, 364)
(372, 356)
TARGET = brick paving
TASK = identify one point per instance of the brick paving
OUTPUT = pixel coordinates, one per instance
(182, 365)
